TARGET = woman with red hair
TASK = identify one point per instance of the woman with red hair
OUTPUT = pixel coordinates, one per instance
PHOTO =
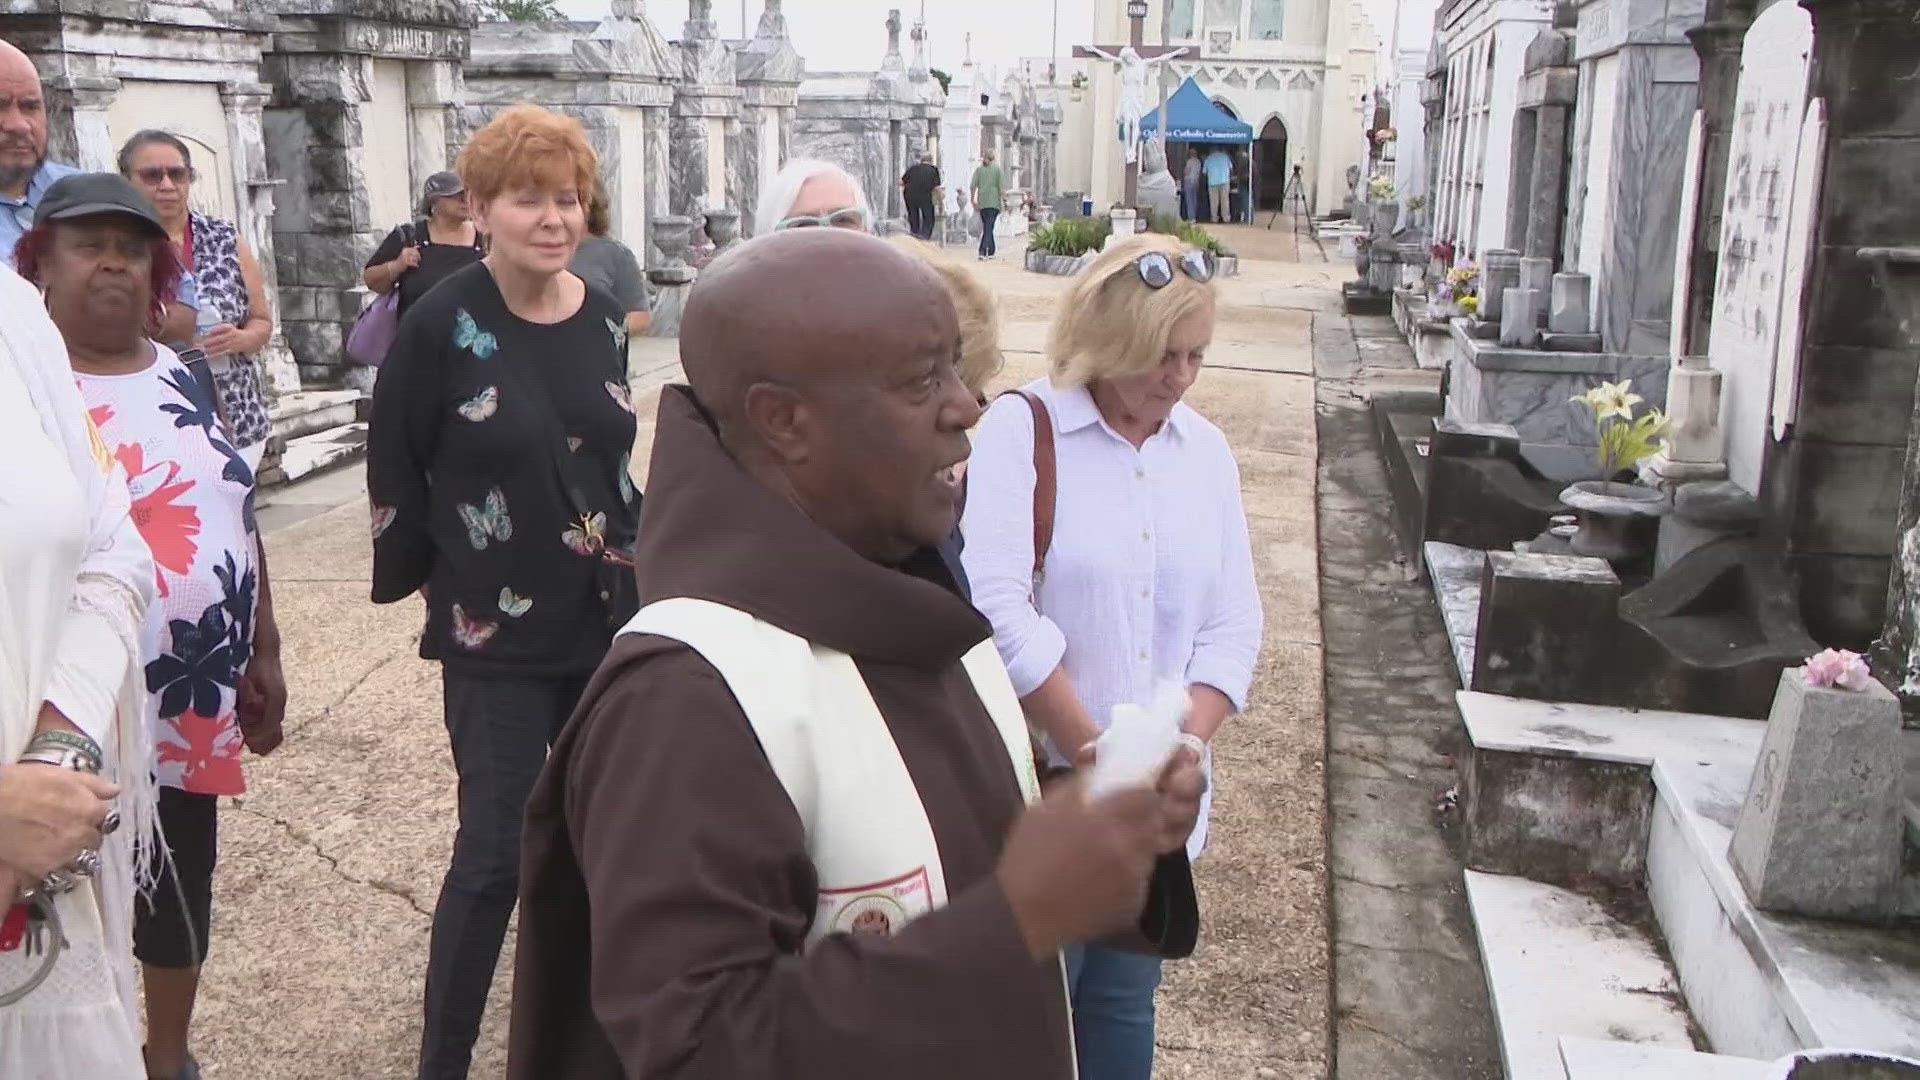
(497, 470)
(210, 651)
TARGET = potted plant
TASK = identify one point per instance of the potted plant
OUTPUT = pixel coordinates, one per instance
(1617, 518)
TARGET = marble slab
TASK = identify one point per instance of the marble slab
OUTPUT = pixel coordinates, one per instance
(1559, 964)
(1455, 574)
(1597, 1059)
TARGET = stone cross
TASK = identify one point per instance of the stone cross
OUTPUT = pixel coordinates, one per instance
(1134, 58)
(628, 9)
(893, 32)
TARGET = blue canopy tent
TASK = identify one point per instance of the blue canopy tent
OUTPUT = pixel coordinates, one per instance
(1193, 117)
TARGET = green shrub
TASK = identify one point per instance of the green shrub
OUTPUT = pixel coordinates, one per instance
(1074, 237)
(1071, 237)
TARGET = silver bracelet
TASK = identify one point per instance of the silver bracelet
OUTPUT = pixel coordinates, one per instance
(61, 757)
(1196, 743)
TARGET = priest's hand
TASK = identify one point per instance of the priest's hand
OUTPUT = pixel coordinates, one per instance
(1180, 786)
(1076, 868)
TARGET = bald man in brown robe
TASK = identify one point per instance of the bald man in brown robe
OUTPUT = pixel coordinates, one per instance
(804, 477)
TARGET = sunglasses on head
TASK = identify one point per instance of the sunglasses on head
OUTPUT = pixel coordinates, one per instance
(851, 217)
(1156, 267)
(153, 174)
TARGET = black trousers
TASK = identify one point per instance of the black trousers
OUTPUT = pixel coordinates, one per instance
(500, 728)
(920, 218)
(171, 926)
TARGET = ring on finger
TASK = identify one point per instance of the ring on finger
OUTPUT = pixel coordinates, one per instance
(110, 822)
(85, 864)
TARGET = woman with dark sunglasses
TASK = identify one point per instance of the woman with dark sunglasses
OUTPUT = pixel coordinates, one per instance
(233, 321)
(1148, 578)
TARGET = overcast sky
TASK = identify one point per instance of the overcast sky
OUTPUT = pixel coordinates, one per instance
(851, 35)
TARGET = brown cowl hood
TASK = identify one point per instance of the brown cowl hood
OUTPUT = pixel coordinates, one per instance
(711, 532)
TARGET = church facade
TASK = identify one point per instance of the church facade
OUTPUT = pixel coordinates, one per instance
(1300, 72)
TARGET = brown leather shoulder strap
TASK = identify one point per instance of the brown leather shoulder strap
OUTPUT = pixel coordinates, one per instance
(1044, 481)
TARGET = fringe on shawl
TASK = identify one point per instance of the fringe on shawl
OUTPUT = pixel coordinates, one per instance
(127, 861)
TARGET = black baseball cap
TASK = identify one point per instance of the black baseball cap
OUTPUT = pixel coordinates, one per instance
(442, 184)
(86, 194)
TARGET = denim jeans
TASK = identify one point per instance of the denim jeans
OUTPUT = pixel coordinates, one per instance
(988, 215)
(500, 728)
(1112, 994)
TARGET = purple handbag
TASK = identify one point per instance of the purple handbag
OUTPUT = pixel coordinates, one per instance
(374, 329)
(373, 332)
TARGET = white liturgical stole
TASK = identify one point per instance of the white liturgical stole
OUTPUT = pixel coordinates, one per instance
(867, 831)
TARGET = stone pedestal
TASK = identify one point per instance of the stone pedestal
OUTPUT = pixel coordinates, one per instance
(1500, 272)
(1820, 834)
(1545, 624)
(1536, 273)
(673, 279)
(1571, 311)
(1520, 318)
(1125, 222)
(1693, 407)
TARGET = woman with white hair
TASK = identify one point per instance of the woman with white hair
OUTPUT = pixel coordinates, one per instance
(810, 193)
(1146, 575)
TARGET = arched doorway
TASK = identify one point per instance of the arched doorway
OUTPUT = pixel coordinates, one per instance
(1270, 161)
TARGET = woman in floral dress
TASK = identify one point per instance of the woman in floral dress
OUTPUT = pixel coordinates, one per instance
(234, 322)
(211, 648)
(497, 469)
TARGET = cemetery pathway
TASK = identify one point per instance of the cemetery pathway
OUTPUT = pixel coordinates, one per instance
(331, 863)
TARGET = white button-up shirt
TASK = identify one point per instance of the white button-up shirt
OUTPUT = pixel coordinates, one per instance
(1150, 575)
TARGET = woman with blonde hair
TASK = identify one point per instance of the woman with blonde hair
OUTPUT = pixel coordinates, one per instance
(980, 360)
(497, 470)
(980, 356)
(1148, 574)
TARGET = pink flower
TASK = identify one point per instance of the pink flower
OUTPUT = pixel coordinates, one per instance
(1838, 667)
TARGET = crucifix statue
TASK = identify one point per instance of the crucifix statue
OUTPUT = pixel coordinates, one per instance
(1136, 60)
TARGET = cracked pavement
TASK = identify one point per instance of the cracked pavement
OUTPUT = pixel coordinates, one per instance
(331, 863)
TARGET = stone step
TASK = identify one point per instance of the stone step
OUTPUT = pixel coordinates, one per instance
(307, 411)
(1595, 1059)
(1558, 964)
(1557, 787)
(322, 450)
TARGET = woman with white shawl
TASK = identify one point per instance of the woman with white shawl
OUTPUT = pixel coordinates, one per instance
(75, 581)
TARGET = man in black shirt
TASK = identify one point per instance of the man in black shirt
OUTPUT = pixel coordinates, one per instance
(917, 185)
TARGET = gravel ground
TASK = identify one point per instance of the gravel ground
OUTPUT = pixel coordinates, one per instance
(331, 863)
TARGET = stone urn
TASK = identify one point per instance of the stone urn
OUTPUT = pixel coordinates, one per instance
(1616, 522)
(672, 235)
(1844, 1065)
(723, 226)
